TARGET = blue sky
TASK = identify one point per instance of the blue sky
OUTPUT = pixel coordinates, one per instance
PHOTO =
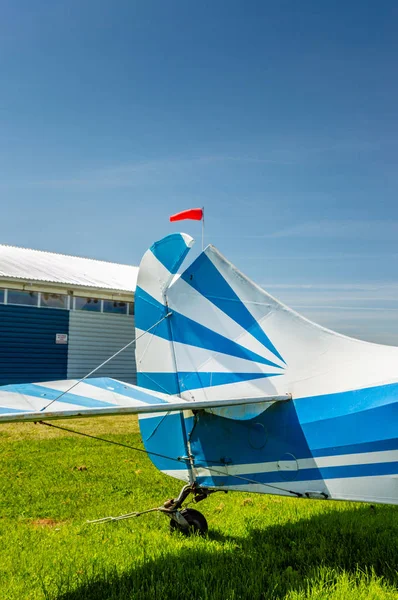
(279, 117)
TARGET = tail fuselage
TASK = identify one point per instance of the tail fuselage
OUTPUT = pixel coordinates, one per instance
(227, 338)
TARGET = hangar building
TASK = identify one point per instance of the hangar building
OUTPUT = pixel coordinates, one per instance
(61, 316)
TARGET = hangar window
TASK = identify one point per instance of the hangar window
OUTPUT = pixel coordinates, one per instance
(115, 306)
(23, 297)
(53, 300)
(2, 296)
(91, 304)
(131, 308)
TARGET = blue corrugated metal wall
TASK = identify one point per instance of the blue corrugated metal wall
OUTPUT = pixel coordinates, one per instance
(28, 352)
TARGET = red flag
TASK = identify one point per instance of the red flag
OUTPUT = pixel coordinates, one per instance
(196, 214)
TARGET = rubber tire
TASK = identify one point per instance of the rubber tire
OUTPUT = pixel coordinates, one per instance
(197, 523)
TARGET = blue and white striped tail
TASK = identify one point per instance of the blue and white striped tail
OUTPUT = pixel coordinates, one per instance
(205, 337)
(156, 365)
(214, 335)
(199, 336)
(155, 358)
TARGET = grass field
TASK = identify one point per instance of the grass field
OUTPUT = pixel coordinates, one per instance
(258, 546)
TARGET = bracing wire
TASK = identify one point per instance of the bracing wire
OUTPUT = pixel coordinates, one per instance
(211, 469)
(179, 459)
(147, 452)
(95, 437)
(134, 341)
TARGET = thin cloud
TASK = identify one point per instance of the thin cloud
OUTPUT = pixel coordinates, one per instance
(317, 256)
(332, 229)
(330, 303)
(371, 229)
(335, 286)
(345, 308)
(373, 324)
(149, 172)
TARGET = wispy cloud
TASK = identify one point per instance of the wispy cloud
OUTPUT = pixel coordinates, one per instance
(330, 286)
(371, 229)
(332, 228)
(151, 171)
(362, 310)
(284, 150)
(332, 293)
(304, 151)
(319, 256)
(345, 308)
(379, 327)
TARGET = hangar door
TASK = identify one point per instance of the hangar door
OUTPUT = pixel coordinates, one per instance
(94, 337)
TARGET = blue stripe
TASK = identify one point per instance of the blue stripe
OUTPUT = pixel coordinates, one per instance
(376, 446)
(323, 473)
(186, 331)
(198, 380)
(149, 311)
(327, 406)
(204, 277)
(166, 382)
(48, 394)
(371, 425)
(170, 251)
(5, 410)
(106, 383)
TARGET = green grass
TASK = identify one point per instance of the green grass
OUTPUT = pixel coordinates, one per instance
(258, 546)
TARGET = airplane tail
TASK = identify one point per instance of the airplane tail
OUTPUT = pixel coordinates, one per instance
(206, 334)
(223, 337)
(215, 335)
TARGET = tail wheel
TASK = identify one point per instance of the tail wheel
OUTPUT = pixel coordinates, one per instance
(197, 523)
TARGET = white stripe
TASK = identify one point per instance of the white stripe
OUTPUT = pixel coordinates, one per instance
(356, 459)
(153, 276)
(187, 414)
(378, 489)
(256, 389)
(153, 354)
(193, 358)
(107, 394)
(190, 303)
(153, 416)
(306, 463)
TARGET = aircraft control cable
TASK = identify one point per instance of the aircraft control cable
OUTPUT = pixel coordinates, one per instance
(100, 439)
(213, 470)
(179, 459)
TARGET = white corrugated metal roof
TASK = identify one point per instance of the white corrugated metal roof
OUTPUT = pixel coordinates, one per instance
(35, 265)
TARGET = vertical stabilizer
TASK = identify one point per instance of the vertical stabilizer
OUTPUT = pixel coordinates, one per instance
(156, 367)
(154, 351)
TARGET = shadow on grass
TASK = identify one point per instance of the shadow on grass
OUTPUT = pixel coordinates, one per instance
(267, 563)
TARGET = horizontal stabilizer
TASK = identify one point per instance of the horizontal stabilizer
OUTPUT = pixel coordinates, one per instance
(98, 397)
